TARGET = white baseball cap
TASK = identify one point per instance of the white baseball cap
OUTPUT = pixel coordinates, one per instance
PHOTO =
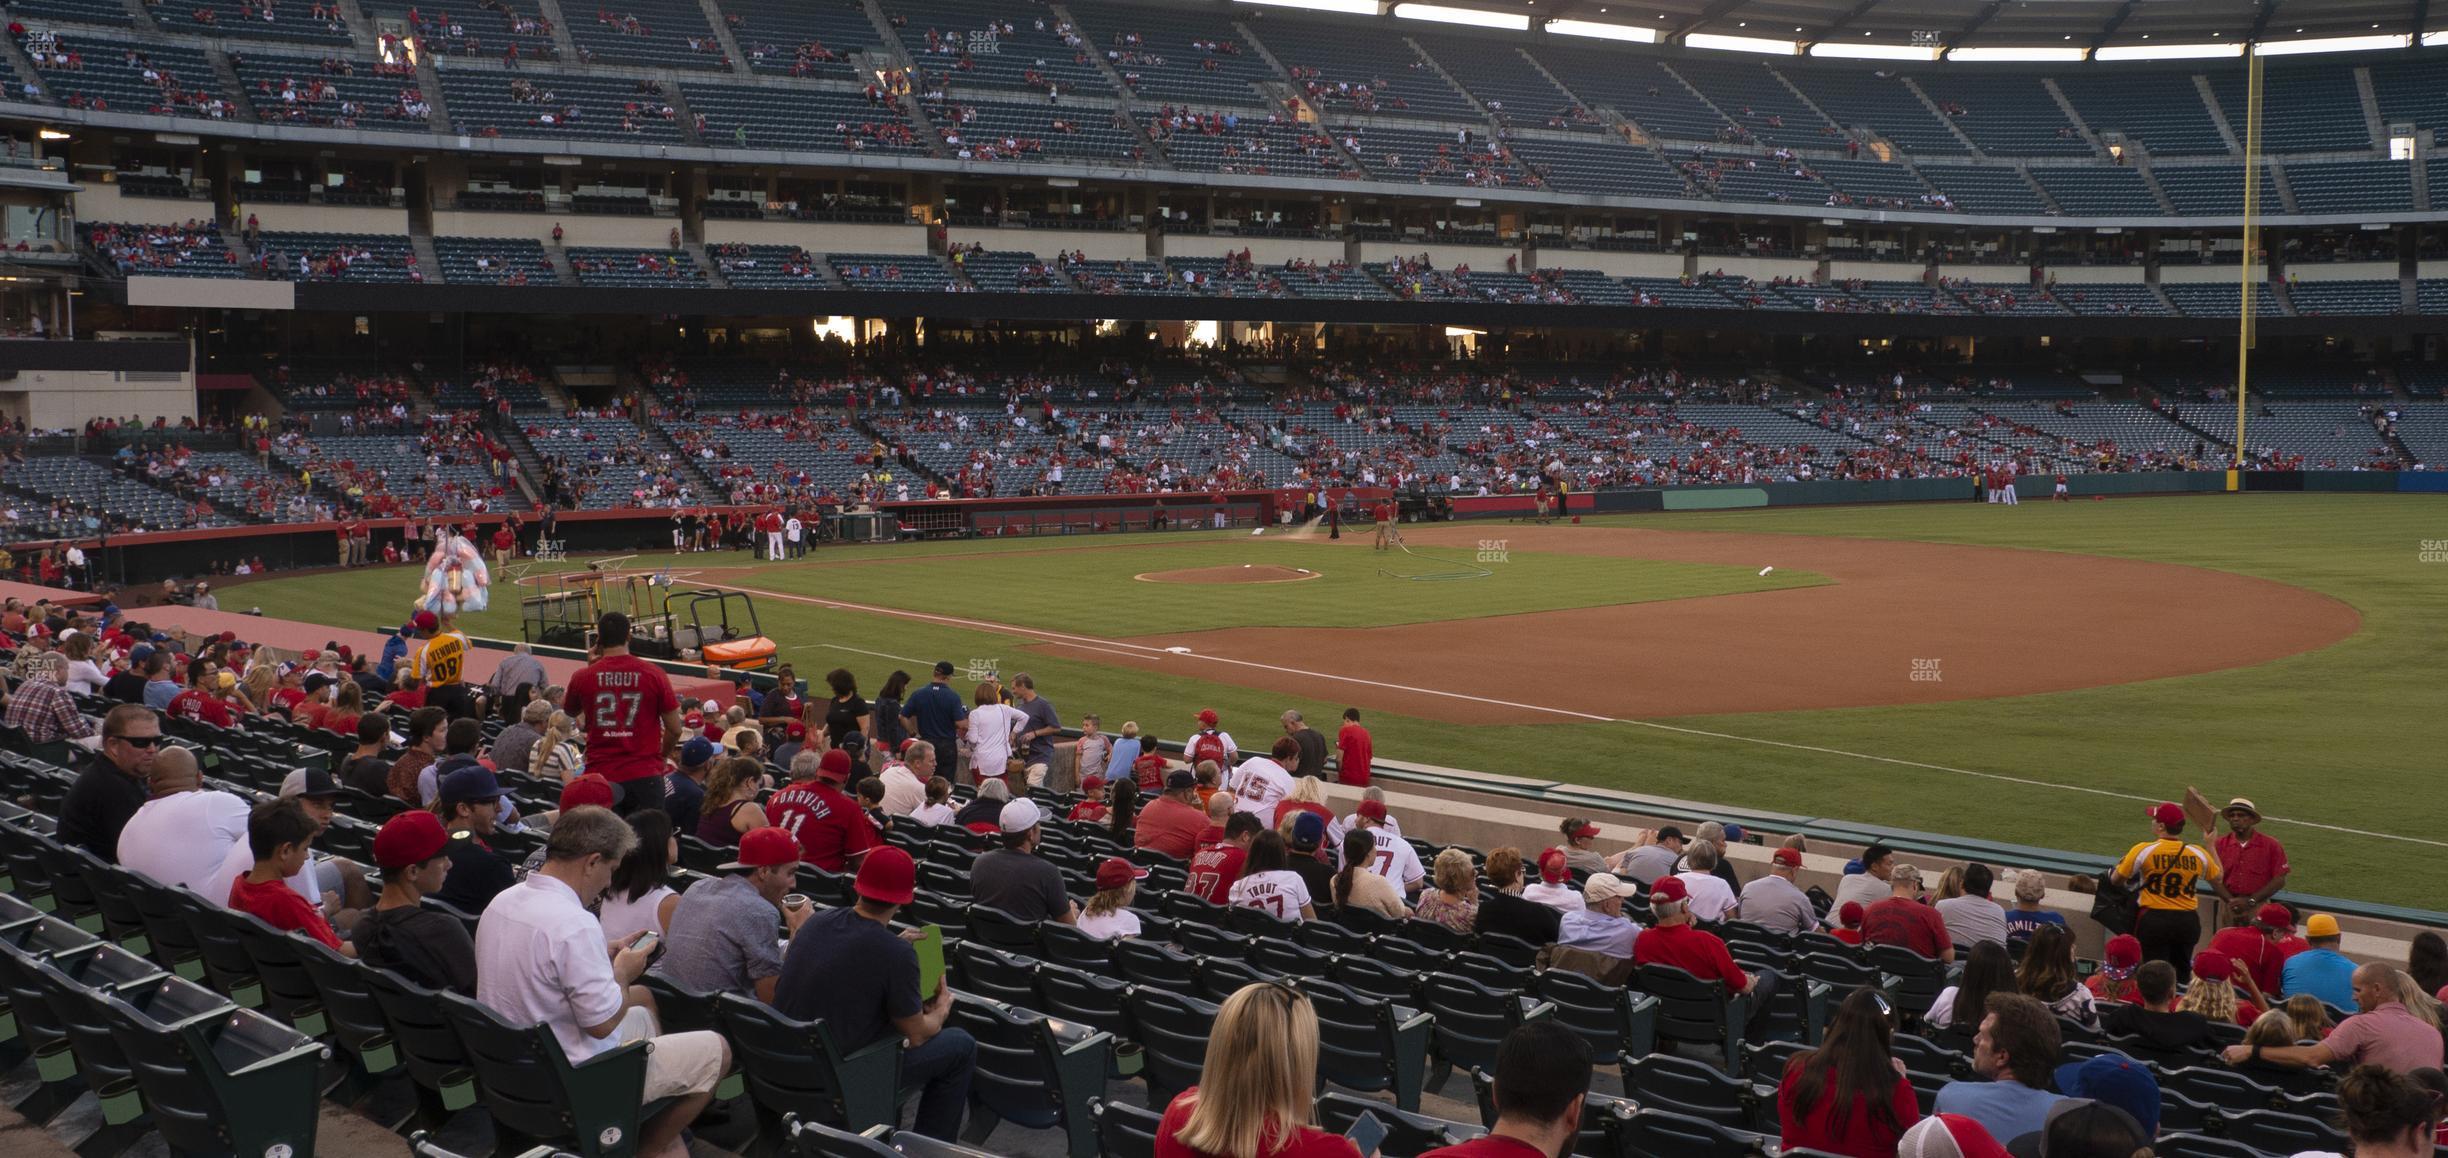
(1021, 815)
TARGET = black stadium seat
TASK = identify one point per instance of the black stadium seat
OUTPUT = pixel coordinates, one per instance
(795, 1068)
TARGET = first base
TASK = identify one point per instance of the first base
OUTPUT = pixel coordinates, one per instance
(1765, 570)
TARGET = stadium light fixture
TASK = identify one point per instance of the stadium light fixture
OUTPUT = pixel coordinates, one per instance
(1351, 7)
(2332, 44)
(1850, 51)
(1475, 17)
(2434, 39)
(2051, 54)
(1603, 31)
(2167, 51)
(1742, 44)
(52, 135)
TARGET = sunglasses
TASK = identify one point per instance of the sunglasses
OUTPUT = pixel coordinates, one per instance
(138, 741)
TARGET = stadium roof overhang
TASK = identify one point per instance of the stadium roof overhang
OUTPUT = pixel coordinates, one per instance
(1905, 25)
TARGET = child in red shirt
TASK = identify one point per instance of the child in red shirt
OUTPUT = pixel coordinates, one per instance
(279, 834)
(1094, 808)
(1848, 923)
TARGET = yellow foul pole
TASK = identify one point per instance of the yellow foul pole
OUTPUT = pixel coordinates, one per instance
(2247, 325)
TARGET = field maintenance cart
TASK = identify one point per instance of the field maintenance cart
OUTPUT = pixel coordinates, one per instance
(714, 626)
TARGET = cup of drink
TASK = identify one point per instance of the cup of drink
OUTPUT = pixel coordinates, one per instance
(794, 902)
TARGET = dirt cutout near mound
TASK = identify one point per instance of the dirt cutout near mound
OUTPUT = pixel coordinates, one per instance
(1903, 623)
(1245, 573)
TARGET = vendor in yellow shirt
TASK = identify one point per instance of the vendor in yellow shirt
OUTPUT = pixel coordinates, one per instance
(2168, 872)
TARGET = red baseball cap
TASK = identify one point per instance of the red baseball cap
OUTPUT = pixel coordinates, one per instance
(2123, 951)
(798, 730)
(1373, 809)
(426, 621)
(765, 847)
(229, 637)
(834, 766)
(1850, 915)
(694, 719)
(408, 839)
(2274, 916)
(2169, 816)
(1668, 889)
(1585, 829)
(592, 788)
(1552, 868)
(1789, 857)
(309, 656)
(1091, 783)
(887, 876)
(1117, 872)
(2212, 966)
(1207, 717)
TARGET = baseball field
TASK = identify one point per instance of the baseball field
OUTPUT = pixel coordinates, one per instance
(2031, 674)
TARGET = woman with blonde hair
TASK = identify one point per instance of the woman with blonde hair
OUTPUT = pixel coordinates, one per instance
(1950, 885)
(556, 756)
(1579, 835)
(2213, 996)
(348, 703)
(1452, 899)
(2308, 1016)
(1308, 795)
(1107, 916)
(731, 809)
(257, 687)
(1257, 1091)
(82, 675)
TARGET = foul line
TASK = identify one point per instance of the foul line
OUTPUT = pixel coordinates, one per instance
(1145, 651)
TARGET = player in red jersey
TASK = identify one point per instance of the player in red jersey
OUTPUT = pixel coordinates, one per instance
(830, 826)
(630, 714)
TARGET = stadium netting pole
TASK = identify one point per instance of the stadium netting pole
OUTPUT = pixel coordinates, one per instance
(2248, 328)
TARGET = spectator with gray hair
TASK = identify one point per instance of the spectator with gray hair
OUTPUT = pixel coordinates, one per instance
(516, 743)
(540, 958)
(2026, 917)
(1312, 761)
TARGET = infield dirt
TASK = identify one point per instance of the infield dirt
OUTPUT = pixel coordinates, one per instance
(1902, 623)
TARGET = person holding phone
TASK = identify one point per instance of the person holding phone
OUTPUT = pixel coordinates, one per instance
(848, 967)
(1256, 1093)
(1542, 1077)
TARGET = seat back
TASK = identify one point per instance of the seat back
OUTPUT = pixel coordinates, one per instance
(1691, 1087)
(1173, 1029)
(1689, 1009)
(536, 1094)
(1598, 1012)
(994, 974)
(289, 991)
(1125, 1131)
(225, 956)
(1013, 1064)
(238, 1082)
(1002, 930)
(1660, 1132)
(113, 899)
(1471, 1019)
(1061, 945)
(427, 1043)
(1144, 963)
(2279, 1132)
(795, 1067)
(1407, 1134)
(355, 1018)
(1087, 998)
(1377, 979)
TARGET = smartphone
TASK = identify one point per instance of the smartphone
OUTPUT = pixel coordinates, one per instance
(1367, 1133)
(647, 942)
(930, 947)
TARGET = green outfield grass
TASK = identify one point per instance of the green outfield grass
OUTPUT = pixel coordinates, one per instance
(2338, 737)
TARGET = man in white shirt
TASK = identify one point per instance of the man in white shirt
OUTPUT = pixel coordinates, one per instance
(1395, 859)
(793, 532)
(1868, 886)
(1973, 918)
(1554, 888)
(1261, 782)
(182, 834)
(1711, 898)
(1774, 901)
(1600, 926)
(1386, 824)
(541, 959)
(905, 779)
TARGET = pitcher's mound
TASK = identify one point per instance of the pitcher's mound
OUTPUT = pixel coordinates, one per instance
(1246, 573)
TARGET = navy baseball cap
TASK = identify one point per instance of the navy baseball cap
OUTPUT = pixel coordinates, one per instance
(2118, 1081)
(943, 667)
(696, 752)
(470, 786)
(1308, 830)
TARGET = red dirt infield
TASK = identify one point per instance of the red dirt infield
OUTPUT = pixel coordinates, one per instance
(1901, 623)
